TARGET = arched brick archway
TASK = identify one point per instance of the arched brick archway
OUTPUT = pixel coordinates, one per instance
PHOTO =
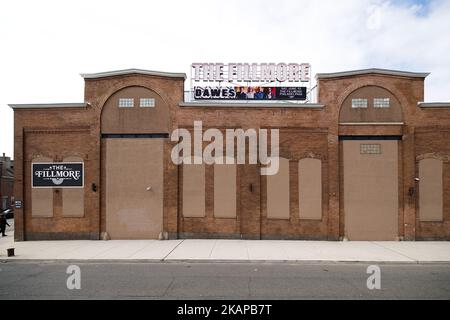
(114, 88)
(376, 83)
(391, 114)
(136, 119)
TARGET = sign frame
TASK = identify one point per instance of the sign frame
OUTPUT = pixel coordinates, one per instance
(58, 187)
(278, 93)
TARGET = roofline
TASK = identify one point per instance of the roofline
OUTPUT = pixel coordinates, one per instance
(372, 71)
(252, 105)
(48, 105)
(434, 104)
(381, 123)
(132, 71)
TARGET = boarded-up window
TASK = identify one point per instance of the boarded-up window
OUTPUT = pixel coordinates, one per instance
(73, 198)
(278, 192)
(225, 190)
(41, 198)
(310, 188)
(430, 190)
(193, 190)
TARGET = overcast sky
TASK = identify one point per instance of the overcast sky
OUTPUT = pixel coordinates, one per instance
(45, 45)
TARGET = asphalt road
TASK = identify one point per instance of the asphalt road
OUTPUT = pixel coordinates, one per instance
(115, 280)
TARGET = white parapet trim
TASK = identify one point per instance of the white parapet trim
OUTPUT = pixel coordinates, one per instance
(48, 105)
(387, 72)
(434, 104)
(132, 71)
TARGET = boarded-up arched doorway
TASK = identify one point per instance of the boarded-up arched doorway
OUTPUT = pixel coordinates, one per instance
(370, 164)
(134, 125)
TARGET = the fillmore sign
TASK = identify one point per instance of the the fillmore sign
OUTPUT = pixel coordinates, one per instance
(251, 72)
(250, 93)
(57, 175)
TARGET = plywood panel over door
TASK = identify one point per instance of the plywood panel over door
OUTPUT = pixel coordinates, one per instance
(430, 190)
(73, 198)
(41, 198)
(194, 190)
(310, 188)
(278, 192)
(371, 189)
(225, 190)
(134, 188)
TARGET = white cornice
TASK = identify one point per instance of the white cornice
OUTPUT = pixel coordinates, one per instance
(132, 71)
(372, 71)
(434, 104)
(48, 105)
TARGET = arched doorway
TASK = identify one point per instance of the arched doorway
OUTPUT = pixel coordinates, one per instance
(134, 125)
(370, 170)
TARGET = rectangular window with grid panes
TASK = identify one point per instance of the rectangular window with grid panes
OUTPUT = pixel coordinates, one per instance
(126, 102)
(359, 103)
(147, 102)
(366, 148)
(381, 103)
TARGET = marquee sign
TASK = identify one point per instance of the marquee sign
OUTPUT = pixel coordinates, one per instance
(249, 81)
(250, 93)
(251, 72)
(57, 175)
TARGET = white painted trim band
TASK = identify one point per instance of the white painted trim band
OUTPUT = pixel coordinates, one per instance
(132, 71)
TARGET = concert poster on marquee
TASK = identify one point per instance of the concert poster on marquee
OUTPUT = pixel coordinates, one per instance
(249, 93)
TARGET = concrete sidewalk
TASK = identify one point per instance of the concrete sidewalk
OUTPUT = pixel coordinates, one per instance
(228, 250)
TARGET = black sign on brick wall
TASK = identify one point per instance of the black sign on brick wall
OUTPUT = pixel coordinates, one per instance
(57, 175)
(291, 93)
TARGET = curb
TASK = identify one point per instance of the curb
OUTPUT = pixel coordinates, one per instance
(213, 261)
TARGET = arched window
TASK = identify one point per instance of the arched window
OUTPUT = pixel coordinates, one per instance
(41, 198)
(73, 199)
(370, 104)
(310, 188)
(193, 189)
(430, 190)
(278, 192)
(135, 109)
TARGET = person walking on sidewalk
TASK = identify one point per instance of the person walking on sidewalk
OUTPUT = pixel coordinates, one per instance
(3, 224)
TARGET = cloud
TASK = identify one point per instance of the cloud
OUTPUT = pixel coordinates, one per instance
(45, 47)
(374, 17)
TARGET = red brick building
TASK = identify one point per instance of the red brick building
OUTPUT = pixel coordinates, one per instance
(6, 182)
(369, 161)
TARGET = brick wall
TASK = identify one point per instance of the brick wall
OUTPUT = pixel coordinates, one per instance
(305, 132)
